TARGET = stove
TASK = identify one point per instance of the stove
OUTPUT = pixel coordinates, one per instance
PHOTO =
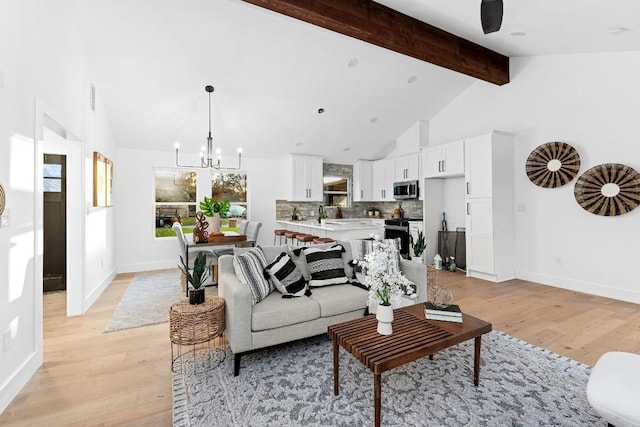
(399, 228)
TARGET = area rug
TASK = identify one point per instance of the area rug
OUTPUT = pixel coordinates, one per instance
(147, 300)
(520, 385)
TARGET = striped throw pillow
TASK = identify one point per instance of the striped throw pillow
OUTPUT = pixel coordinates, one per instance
(325, 266)
(286, 276)
(249, 267)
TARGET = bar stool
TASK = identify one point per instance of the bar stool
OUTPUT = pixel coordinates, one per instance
(305, 239)
(321, 240)
(279, 234)
(291, 235)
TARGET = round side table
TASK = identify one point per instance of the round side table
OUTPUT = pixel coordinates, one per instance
(196, 324)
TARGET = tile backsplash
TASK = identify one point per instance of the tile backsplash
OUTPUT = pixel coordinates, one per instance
(309, 210)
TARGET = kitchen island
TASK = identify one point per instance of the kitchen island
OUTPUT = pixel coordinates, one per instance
(338, 229)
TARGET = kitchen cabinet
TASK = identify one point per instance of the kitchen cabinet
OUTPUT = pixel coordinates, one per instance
(408, 167)
(306, 178)
(362, 181)
(384, 175)
(446, 160)
(490, 222)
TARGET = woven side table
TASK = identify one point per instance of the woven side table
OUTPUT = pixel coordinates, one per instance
(195, 324)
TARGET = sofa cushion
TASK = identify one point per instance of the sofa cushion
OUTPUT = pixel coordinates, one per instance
(249, 267)
(326, 266)
(339, 299)
(270, 252)
(276, 312)
(286, 276)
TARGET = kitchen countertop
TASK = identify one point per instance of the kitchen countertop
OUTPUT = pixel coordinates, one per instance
(339, 224)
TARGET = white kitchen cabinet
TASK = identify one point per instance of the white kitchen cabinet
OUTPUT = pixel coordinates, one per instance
(444, 161)
(407, 168)
(384, 175)
(306, 178)
(490, 223)
(362, 181)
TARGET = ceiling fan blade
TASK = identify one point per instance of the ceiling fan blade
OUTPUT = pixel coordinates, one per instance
(491, 15)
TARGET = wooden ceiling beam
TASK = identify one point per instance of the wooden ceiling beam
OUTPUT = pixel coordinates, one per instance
(379, 25)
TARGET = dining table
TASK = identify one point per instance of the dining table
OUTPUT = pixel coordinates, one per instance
(235, 240)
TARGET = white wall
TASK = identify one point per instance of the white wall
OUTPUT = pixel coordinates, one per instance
(591, 102)
(42, 64)
(138, 249)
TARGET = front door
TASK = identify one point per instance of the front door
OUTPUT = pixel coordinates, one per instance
(55, 219)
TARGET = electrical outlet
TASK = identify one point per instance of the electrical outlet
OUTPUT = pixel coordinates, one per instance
(6, 340)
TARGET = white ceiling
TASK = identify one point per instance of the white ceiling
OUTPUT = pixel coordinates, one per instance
(272, 73)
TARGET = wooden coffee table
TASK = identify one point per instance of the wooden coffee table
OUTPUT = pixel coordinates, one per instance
(413, 337)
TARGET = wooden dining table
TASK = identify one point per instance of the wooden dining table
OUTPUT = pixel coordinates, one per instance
(232, 242)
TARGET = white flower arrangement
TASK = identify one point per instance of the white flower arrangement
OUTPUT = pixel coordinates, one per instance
(386, 283)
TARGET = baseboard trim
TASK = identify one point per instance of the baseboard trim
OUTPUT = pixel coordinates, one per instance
(581, 286)
(18, 379)
(95, 294)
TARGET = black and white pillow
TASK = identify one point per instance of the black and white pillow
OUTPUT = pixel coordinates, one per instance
(325, 266)
(249, 267)
(286, 276)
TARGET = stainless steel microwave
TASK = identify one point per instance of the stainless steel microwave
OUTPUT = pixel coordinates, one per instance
(405, 190)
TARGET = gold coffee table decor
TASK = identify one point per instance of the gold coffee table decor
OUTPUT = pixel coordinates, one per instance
(190, 325)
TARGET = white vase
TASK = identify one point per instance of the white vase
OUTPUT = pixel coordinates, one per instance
(215, 222)
(323, 222)
(384, 314)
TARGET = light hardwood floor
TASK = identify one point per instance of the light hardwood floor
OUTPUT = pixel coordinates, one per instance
(123, 378)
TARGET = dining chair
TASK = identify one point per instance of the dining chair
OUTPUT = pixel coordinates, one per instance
(212, 258)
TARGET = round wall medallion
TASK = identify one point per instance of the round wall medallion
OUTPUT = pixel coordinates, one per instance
(1, 199)
(608, 189)
(553, 164)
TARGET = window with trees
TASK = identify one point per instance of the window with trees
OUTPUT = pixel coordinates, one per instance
(232, 187)
(175, 198)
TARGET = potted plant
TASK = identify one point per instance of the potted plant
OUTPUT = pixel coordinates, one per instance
(215, 210)
(418, 246)
(294, 213)
(323, 217)
(196, 278)
(385, 281)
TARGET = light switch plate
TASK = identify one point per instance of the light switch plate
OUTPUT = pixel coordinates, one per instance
(4, 221)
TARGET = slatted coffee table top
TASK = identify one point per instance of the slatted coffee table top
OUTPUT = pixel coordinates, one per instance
(412, 338)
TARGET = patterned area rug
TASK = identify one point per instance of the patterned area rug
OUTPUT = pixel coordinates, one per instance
(520, 385)
(147, 300)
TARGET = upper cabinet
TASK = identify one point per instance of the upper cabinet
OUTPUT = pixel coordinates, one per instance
(408, 168)
(443, 161)
(306, 182)
(362, 181)
(384, 175)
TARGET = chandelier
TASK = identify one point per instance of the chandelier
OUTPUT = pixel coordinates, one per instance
(206, 154)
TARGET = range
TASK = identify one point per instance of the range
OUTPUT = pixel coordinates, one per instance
(399, 227)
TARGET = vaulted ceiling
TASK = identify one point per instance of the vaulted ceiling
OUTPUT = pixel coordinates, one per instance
(272, 73)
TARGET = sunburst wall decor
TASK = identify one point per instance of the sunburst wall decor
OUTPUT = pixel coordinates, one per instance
(2, 199)
(608, 189)
(553, 164)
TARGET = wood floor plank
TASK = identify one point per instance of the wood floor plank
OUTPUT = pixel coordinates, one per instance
(123, 378)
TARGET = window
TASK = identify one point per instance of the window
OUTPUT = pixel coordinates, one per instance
(336, 191)
(232, 187)
(175, 197)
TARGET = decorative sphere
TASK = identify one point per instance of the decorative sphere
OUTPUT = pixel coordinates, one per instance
(440, 297)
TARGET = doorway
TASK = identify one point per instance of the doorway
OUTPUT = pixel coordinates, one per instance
(54, 188)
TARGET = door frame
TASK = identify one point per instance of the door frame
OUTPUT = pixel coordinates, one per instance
(73, 148)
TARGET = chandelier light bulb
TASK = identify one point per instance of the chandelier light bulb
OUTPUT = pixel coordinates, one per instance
(239, 150)
(176, 145)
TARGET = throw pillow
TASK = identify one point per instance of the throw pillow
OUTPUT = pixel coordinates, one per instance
(286, 276)
(325, 266)
(249, 267)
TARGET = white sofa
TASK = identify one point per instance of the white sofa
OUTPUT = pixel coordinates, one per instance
(276, 320)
